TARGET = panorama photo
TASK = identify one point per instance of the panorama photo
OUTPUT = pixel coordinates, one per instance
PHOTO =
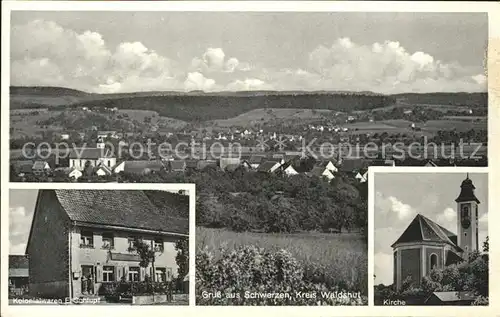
(275, 116)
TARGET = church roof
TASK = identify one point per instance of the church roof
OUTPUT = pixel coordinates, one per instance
(467, 191)
(422, 229)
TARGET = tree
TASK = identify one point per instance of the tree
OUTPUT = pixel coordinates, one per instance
(486, 245)
(145, 252)
(182, 259)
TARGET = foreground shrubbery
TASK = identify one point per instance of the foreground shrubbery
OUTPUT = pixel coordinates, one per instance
(471, 275)
(234, 274)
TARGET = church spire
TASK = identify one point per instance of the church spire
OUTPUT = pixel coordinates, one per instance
(467, 191)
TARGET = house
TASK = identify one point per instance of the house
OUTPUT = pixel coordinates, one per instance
(191, 164)
(288, 169)
(430, 163)
(362, 175)
(18, 275)
(91, 234)
(321, 172)
(268, 167)
(224, 161)
(64, 136)
(425, 245)
(203, 164)
(75, 173)
(40, 167)
(106, 134)
(328, 165)
(102, 170)
(232, 167)
(256, 160)
(383, 162)
(22, 167)
(451, 298)
(79, 158)
(177, 166)
(352, 165)
(138, 167)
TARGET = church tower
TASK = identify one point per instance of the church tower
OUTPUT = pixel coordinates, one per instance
(467, 220)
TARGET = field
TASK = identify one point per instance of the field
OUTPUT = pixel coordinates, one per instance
(342, 255)
(257, 116)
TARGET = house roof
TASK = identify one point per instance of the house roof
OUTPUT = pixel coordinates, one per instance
(179, 203)
(453, 296)
(89, 153)
(18, 262)
(318, 171)
(177, 165)
(23, 166)
(106, 169)
(324, 163)
(452, 258)
(138, 167)
(266, 166)
(202, 164)
(123, 208)
(422, 229)
(39, 165)
(191, 163)
(353, 165)
(231, 167)
(256, 159)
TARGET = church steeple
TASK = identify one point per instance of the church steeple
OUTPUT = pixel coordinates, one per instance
(467, 191)
(467, 220)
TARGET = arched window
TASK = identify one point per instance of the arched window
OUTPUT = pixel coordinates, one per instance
(434, 260)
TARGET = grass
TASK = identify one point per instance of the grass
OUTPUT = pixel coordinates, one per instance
(343, 256)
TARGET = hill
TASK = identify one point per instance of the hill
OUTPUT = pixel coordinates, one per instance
(199, 106)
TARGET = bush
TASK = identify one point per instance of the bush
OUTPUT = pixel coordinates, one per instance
(127, 289)
(229, 279)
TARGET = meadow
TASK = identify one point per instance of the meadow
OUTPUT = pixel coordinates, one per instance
(341, 259)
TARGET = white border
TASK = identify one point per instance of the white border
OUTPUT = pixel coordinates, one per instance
(493, 10)
(190, 188)
(372, 174)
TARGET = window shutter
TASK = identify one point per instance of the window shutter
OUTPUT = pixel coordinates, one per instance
(99, 274)
(143, 273)
(152, 274)
(125, 272)
(119, 273)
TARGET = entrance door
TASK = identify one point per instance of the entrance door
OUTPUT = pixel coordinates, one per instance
(88, 279)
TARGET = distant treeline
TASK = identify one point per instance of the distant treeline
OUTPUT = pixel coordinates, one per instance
(477, 99)
(211, 107)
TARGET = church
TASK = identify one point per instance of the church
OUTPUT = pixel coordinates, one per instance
(425, 244)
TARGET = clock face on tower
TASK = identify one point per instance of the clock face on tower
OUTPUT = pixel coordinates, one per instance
(465, 216)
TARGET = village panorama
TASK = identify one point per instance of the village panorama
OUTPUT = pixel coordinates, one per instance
(277, 125)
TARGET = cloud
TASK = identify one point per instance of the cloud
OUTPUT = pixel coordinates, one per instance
(388, 67)
(248, 84)
(214, 60)
(447, 218)
(19, 226)
(48, 54)
(197, 81)
(391, 209)
(45, 53)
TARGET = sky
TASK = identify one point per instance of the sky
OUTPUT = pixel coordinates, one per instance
(108, 52)
(432, 195)
(21, 207)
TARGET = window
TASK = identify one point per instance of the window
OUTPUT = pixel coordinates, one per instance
(86, 239)
(131, 244)
(161, 274)
(108, 241)
(158, 245)
(108, 273)
(433, 260)
(133, 273)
